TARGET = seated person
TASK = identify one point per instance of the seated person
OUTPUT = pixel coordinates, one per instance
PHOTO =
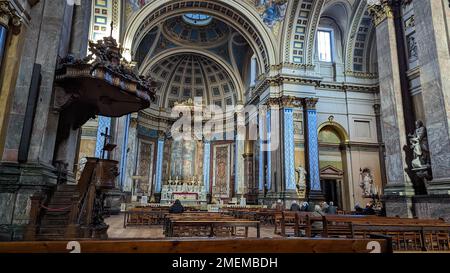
(324, 206)
(176, 207)
(358, 209)
(369, 209)
(278, 205)
(305, 206)
(294, 206)
(332, 209)
(317, 225)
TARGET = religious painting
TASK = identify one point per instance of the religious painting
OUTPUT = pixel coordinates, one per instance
(182, 160)
(272, 11)
(221, 171)
(144, 168)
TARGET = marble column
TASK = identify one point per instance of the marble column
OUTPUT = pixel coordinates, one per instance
(123, 150)
(275, 181)
(398, 188)
(206, 164)
(159, 163)
(11, 44)
(288, 142)
(239, 165)
(249, 169)
(432, 32)
(262, 171)
(312, 149)
(131, 157)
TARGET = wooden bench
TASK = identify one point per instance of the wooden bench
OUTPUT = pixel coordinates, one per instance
(210, 245)
(424, 237)
(178, 230)
(408, 234)
(211, 228)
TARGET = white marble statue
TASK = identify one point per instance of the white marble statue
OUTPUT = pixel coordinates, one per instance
(367, 183)
(301, 181)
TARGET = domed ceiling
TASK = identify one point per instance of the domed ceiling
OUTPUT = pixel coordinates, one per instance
(206, 32)
(185, 76)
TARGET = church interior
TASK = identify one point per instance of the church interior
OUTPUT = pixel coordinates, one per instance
(321, 120)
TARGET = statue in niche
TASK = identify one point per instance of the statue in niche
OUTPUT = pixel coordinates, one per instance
(301, 181)
(419, 145)
(367, 184)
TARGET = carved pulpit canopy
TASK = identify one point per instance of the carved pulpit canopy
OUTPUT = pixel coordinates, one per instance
(103, 83)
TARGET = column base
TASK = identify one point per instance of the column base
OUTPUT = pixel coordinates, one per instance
(398, 206)
(438, 186)
(18, 182)
(432, 206)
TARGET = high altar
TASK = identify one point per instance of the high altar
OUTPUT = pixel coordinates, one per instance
(182, 182)
(188, 192)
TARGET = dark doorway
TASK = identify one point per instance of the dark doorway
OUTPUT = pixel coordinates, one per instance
(332, 192)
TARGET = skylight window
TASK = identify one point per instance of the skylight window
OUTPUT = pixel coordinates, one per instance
(197, 19)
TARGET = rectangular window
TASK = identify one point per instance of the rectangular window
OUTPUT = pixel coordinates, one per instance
(324, 46)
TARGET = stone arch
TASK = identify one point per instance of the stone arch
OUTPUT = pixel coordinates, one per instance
(360, 17)
(176, 51)
(236, 13)
(339, 129)
(335, 16)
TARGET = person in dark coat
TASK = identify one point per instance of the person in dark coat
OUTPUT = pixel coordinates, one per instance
(176, 207)
(295, 206)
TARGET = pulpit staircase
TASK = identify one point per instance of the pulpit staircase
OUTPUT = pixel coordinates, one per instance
(73, 211)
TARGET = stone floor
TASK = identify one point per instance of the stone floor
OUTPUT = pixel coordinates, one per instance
(116, 230)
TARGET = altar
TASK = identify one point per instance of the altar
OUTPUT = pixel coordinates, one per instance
(188, 193)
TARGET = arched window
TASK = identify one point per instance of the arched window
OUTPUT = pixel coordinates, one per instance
(325, 45)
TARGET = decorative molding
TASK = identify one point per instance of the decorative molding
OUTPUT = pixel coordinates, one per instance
(9, 16)
(287, 47)
(381, 12)
(245, 25)
(313, 29)
(310, 103)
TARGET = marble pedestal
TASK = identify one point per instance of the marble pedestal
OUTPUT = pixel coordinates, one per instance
(398, 205)
(17, 184)
(432, 206)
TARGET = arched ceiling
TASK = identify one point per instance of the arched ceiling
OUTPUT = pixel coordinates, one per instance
(189, 75)
(181, 31)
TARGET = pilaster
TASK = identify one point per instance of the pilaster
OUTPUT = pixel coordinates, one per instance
(432, 24)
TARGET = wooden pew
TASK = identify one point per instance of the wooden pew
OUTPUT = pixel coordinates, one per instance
(408, 234)
(281, 245)
(424, 237)
(178, 224)
(144, 216)
(211, 227)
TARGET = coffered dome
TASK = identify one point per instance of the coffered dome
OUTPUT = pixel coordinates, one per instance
(185, 76)
(204, 31)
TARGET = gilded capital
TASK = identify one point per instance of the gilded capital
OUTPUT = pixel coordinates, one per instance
(310, 103)
(380, 11)
(290, 102)
(273, 102)
(9, 16)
